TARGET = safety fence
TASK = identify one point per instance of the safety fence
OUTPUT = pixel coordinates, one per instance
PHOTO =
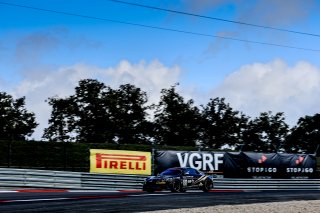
(267, 184)
(39, 178)
(26, 178)
(110, 181)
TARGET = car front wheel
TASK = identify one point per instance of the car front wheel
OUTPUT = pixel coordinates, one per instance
(147, 189)
(175, 186)
(150, 190)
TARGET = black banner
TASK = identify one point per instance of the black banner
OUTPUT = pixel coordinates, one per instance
(204, 161)
(241, 164)
(271, 165)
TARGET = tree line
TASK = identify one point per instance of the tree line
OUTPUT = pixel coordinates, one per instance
(97, 113)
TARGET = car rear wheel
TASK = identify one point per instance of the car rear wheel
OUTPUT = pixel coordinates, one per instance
(175, 186)
(207, 185)
(183, 190)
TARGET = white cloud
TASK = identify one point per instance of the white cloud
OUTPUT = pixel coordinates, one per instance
(252, 89)
(273, 86)
(150, 77)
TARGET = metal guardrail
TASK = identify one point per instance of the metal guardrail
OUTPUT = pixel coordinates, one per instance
(110, 181)
(267, 184)
(26, 178)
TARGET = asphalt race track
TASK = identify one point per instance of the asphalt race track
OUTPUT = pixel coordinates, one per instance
(137, 201)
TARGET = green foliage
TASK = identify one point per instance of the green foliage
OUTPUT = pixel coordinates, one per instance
(62, 121)
(62, 156)
(114, 117)
(92, 117)
(266, 133)
(67, 156)
(15, 121)
(305, 136)
(100, 114)
(97, 113)
(177, 123)
(129, 113)
(221, 124)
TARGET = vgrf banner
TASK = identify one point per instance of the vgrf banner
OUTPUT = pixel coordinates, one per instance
(201, 160)
(120, 162)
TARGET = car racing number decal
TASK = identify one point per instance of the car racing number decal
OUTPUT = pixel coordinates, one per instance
(185, 182)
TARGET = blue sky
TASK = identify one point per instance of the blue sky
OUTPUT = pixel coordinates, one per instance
(45, 54)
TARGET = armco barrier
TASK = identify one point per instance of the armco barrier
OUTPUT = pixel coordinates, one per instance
(27, 178)
(110, 181)
(267, 184)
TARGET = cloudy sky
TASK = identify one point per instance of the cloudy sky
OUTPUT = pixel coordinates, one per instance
(47, 46)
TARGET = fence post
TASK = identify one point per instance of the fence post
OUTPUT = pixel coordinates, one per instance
(152, 157)
(64, 155)
(10, 150)
(152, 160)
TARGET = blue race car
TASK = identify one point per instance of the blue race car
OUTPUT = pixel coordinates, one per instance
(179, 179)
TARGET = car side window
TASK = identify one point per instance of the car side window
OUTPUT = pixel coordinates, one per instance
(193, 172)
(187, 172)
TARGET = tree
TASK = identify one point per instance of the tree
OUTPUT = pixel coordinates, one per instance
(305, 136)
(177, 122)
(97, 113)
(128, 110)
(221, 124)
(62, 121)
(92, 114)
(267, 132)
(15, 121)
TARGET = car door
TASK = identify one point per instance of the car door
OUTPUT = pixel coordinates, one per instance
(190, 176)
(195, 174)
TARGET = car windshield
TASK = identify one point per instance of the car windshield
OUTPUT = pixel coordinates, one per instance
(171, 172)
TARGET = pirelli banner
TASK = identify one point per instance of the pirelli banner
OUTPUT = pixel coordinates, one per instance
(271, 165)
(120, 162)
(204, 161)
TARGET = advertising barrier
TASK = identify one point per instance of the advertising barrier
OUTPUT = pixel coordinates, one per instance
(240, 164)
(228, 164)
(120, 162)
(201, 160)
(271, 165)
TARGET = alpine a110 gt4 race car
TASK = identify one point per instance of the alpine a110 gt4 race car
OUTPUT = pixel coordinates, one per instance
(179, 180)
